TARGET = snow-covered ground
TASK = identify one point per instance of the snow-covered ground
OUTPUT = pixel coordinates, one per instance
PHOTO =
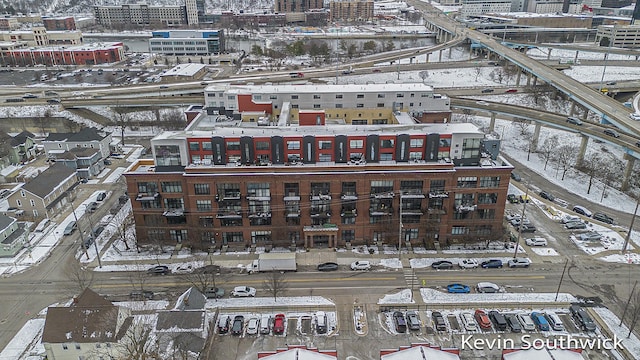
(433, 296)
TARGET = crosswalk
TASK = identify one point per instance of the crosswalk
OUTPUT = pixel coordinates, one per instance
(411, 278)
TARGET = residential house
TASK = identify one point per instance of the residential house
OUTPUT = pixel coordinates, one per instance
(43, 195)
(57, 143)
(86, 161)
(13, 236)
(22, 147)
(183, 329)
(90, 328)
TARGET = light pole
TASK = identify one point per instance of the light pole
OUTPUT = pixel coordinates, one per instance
(84, 246)
(524, 207)
(606, 58)
(633, 219)
(94, 236)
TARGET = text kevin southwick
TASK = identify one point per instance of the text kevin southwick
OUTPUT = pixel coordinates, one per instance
(526, 342)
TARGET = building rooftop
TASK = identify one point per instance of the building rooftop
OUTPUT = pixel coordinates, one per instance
(184, 70)
(319, 88)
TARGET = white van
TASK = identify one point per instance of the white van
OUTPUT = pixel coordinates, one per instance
(554, 321)
(42, 225)
(265, 324)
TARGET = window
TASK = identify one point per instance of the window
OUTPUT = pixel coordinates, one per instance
(487, 214)
(260, 236)
(409, 234)
(316, 106)
(77, 346)
(348, 235)
(459, 230)
(415, 155)
(483, 230)
(488, 198)
(194, 146)
(399, 95)
(23, 193)
(356, 144)
(386, 157)
(65, 347)
(416, 143)
(324, 158)
(467, 181)
(293, 145)
(294, 97)
(171, 187)
(231, 97)
(233, 145)
(232, 237)
(338, 96)
(386, 143)
(178, 235)
(489, 181)
(206, 221)
(324, 145)
(360, 96)
(203, 205)
(316, 96)
(338, 106)
(201, 189)
(379, 121)
(262, 145)
(380, 96)
(380, 105)
(359, 122)
(445, 143)
(32, 203)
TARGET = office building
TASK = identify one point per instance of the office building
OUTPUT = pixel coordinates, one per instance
(187, 42)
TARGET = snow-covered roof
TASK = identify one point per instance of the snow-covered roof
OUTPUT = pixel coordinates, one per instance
(299, 354)
(421, 353)
(543, 354)
(184, 70)
(319, 88)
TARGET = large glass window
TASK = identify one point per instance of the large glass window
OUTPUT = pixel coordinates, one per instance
(167, 155)
(489, 181)
(147, 187)
(171, 187)
(203, 205)
(416, 143)
(201, 189)
(467, 181)
(356, 144)
(293, 145)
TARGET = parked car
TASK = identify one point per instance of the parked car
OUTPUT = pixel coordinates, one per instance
(467, 322)
(70, 228)
(321, 322)
(612, 132)
(468, 263)
(159, 270)
(243, 291)
(413, 320)
(554, 321)
(498, 320)
(574, 120)
(253, 325)
(536, 241)
(512, 198)
(519, 262)
(635, 116)
(92, 207)
(516, 221)
(442, 265)
(214, 292)
(487, 90)
(482, 319)
(398, 320)
(526, 228)
(570, 218)
(584, 321)
(101, 196)
(224, 323)
(510, 91)
(541, 322)
(278, 324)
(487, 287)
(238, 324)
(515, 176)
(438, 321)
(514, 324)
(458, 289)
(590, 236)
(526, 322)
(107, 162)
(582, 210)
(546, 195)
(603, 217)
(491, 264)
(361, 265)
(265, 324)
(575, 225)
(328, 266)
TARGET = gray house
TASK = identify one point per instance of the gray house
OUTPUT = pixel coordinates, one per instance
(45, 194)
(86, 161)
(57, 143)
(13, 236)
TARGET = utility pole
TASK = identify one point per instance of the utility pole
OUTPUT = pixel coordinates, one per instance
(561, 277)
(95, 240)
(633, 219)
(84, 246)
(628, 302)
(524, 207)
(400, 230)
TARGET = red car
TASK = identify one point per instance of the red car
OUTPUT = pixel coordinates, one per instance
(511, 91)
(278, 324)
(376, 70)
(483, 319)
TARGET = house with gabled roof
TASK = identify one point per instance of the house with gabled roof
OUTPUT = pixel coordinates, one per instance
(57, 143)
(13, 236)
(90, 327)
(87, 161)
(44, 194)
(23, 147)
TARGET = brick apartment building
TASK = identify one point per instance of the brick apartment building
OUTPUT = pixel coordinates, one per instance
(232, 184)
(351, 10)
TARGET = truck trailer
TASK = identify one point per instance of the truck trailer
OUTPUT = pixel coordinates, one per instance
(274, 262)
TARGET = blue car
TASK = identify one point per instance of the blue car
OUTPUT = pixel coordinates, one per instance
(540, 321)
(458, 289)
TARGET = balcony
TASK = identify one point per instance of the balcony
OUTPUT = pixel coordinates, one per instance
(321, 197)
(462, 208)
(381, 211)
(322, 214)
(412, 194)
(229, 214)
(438, 194)
(349, 196)
(292, 198)
(349, 213)
(258, 198)
(229, 196)
(260, 214)
(384, 195)
(173, 213)
(147, 196)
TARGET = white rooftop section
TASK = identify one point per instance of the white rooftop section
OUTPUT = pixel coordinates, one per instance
(319, 88)
(543, 354)
(299, 354)
(420, 353)
(184, 70)
(331, 130)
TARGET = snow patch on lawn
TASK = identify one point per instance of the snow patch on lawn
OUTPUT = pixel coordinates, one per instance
(403, 297)
(437, 297)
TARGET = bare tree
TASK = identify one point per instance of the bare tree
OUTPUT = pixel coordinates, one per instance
(174, 120)
(591, 164)
(137, 343)
(5, 144)
(122, 120)
(275, 284)
(609, 172)
(423, 75)
(204, 278)
(549, 145)
(139, 278)
(79, 277)
(477, 71)
(125, 232)
(522, 125)
(565, 158)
